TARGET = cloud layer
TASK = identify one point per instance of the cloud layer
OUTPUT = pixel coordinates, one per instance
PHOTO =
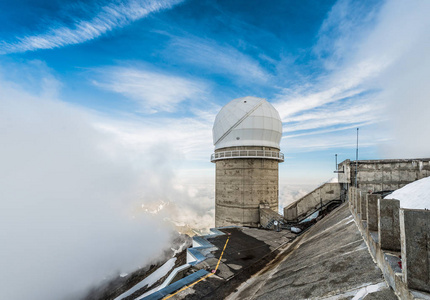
(153, 91)
(375, 65)
(67, 216)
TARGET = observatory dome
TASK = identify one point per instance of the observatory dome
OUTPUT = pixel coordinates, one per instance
(248, 121)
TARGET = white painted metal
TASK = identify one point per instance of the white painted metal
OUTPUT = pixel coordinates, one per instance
(248, 121)
(248, 154)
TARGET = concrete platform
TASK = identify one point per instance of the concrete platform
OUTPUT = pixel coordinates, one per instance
(247, 252)
(330, 261)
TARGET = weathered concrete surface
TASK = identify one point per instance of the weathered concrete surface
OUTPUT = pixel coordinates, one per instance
(415, 241)
(372, 212)
(331, 259)
(389, 224)
(384, 175)
(321, 195)
(241, 185)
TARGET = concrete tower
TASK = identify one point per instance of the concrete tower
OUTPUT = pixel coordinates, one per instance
(246, 134)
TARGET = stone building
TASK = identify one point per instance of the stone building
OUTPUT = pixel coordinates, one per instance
(382, 174)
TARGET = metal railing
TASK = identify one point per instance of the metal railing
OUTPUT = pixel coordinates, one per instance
(320, 208)
(247, 154)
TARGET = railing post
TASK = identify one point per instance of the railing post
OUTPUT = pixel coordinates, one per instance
(372, 212)
(389, 224)
(356, 201)
(363, 207)
(415, 242)
(247, 153)
(359, 203)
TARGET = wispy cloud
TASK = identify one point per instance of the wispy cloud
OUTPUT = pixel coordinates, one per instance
(363, 113)
(378, 61)
(191, 137)
(153, 91)
(219, 59)
(347, 22)
(108, 17)
(345, 82)
(316, 117)
(344, 139)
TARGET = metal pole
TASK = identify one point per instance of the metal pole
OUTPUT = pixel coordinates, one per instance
(356, 161)
(336, 161)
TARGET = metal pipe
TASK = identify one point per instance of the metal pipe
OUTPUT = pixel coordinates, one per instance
(356, 161)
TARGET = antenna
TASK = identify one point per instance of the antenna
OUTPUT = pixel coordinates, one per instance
(356, 160)
(336, 167)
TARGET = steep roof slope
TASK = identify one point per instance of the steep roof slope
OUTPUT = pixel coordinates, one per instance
(331, 259)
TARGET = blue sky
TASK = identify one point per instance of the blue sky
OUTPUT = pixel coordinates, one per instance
(152, 72)
(107, 107)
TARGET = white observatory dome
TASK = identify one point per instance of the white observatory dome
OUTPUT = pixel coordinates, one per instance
(248, 121)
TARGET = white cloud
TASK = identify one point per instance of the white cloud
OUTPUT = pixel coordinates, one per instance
(153, 91)
(289, 193)
(107, 18)
(345, 139)
(396, 48)
(347, 23)
(384, 52)
(345, 83)
(403, 35)
(348, 114)
(191, 138)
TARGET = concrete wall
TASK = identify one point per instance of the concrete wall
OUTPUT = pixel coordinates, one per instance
(415, 243)
(241, 185)
(344, 175)
(312, 201)
(383, 175)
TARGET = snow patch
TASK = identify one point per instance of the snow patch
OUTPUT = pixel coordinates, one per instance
(415, 195)
(311, 217)
(151, 279)
(180, 249)
(295, 229)
(350, 221)
(368, 290)
(333, 180)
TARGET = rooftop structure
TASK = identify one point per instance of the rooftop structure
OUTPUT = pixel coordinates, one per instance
(246, 134)
(248, 121)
